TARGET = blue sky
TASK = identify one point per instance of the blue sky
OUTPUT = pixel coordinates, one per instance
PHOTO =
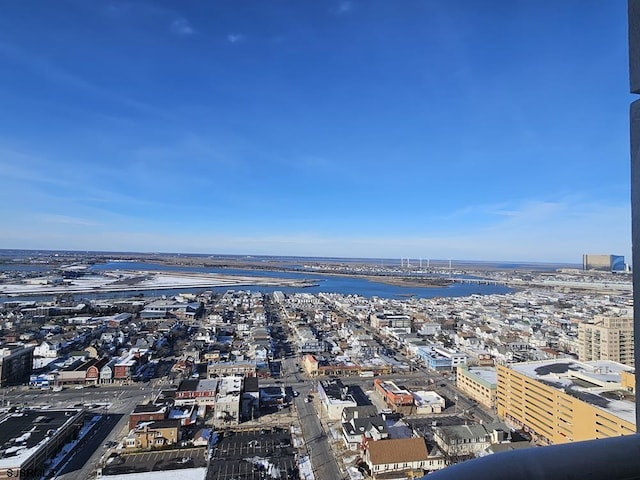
(438, 129)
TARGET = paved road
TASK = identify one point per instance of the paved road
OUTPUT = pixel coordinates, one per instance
(86, 455)
(316, 439)
(325, 465)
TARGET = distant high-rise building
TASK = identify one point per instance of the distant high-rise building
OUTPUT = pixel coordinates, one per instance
(603, 263)
(607, 338)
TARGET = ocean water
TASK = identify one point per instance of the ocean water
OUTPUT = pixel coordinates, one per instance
(347, 285)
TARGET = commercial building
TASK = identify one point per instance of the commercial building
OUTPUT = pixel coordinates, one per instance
(125, 366)
(165, 308)
(147, 413)
(82, 372)
(564, 401)
(479, 384)
(246, 368)
(607, 338)
(16, 363)
(440, 359)
(397, 398)
(395, 320)
(29, 438)
(604, 263)
(427, 402)
(227, 402)
(335, 397)
(314, 368)
(195, 391)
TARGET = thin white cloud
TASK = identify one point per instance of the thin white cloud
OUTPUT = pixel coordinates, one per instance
(235, 38)
(117, 9)
(55, 73)
(69, 220)
(181, 26)
(39, 181)
(23, 168)
(123, 10)
(344, 7)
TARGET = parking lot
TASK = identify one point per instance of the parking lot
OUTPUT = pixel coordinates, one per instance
(253, 454)
(155, 461)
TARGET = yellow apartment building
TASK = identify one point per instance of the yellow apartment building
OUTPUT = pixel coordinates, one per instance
(563, 400)
(479, 384)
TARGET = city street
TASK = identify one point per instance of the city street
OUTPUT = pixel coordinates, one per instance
(85, 457)
(316, 439)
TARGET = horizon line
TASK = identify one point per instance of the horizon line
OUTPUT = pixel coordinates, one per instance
(335, 257)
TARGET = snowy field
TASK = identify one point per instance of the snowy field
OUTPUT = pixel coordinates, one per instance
(133, 281)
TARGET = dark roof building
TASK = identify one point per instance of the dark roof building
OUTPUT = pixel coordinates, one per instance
(29, 437)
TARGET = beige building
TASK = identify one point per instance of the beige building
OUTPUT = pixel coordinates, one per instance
(561, 401)
(479, 384)
(607, 338)
(154, 434)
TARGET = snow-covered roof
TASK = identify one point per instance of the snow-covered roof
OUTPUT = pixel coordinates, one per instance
(592, 382)
(184, 474)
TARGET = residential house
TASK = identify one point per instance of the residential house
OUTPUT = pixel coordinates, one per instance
(400, 458)
(156, 434)
(362, 424)
(463, 441)
(47, 350)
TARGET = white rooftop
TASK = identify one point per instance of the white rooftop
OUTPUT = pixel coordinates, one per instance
(184, 474)
(422, 397)
(488, 374)
(590, 382)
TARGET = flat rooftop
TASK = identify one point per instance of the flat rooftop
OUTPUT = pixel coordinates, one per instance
(422, 398)
(207, 385)
(21, 433)
(597, 383)
(188, 385)
(488, 374)
(390, 386)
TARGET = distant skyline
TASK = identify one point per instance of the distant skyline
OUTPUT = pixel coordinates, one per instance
(490, 131)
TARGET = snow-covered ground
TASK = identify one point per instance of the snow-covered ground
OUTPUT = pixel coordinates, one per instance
(182, 474)
(305, 468)
(270, 470)
(140, 281)
(354, 474)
